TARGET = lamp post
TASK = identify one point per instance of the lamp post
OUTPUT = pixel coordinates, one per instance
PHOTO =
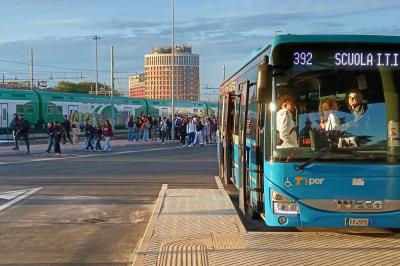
(97, 65)
(173, 72)
(112, 87)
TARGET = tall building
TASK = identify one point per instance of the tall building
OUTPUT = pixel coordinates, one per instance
(137, 86)
(158, 77)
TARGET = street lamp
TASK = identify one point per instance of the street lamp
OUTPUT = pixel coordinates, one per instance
(97, 65)
(173, 70)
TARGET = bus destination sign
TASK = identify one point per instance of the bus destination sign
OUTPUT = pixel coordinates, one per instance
(362, 59)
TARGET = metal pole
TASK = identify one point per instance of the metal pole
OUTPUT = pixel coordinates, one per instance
(173, 72)
(112, 86)
(97, 65)
(31, 70)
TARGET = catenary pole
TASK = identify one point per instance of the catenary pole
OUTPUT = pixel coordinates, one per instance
(112, 87)
(173, 72)
(31, 69)
(97, 64)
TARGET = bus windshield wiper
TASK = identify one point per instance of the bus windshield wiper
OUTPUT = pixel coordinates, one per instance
(320, 154)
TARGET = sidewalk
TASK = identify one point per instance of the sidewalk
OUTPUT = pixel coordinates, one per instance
(201, 227)
(40, 148)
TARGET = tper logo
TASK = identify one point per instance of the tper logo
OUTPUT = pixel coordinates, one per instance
(309, 181)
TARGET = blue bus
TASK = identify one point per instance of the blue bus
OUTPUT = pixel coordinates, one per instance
(309, 132)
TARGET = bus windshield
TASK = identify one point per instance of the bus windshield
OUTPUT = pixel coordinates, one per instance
(338, 98)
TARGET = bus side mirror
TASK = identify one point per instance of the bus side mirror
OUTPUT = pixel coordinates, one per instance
(264, 83)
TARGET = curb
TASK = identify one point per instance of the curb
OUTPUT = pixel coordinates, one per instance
(140, 255)
(241, 227)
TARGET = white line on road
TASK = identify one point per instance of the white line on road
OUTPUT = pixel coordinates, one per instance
(86, 156)
(26, 194)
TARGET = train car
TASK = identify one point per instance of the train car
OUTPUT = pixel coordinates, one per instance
(309, 132)
(162, 108)
(212, 109)
(43, 107)
(18, 101)
(54, 105)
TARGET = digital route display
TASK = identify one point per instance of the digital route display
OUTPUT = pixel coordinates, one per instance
(361, 59)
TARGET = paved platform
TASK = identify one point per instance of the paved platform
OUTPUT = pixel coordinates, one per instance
(201, 227)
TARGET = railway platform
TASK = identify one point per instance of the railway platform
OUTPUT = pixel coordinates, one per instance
(201, 227)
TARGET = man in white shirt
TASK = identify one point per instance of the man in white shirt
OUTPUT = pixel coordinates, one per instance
(284, 123)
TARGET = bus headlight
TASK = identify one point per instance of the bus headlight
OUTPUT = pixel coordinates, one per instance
(285, 208)
(283, 205)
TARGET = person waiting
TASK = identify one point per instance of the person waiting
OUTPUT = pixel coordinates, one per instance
(329, 120)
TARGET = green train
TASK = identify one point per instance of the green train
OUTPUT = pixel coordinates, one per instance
(42, 107)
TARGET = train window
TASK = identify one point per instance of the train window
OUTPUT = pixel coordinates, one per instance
(19, 108)
(51, 108)
(30, 108)
(59, 109)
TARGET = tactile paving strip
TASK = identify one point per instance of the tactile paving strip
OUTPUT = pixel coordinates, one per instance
(182, 253)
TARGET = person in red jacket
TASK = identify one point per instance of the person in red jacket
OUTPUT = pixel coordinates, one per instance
(107, 133)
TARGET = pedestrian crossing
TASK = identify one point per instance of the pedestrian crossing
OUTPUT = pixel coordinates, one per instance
(9, 198)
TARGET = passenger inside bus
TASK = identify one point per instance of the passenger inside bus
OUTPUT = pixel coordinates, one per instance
(329, 120)
(286, 127)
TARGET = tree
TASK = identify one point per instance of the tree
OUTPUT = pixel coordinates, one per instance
(81, 87)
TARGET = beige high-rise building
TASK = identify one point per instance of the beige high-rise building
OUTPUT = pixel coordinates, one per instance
(137, 86)
(158, 77)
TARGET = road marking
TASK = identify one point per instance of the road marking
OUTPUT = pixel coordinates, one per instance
(15, 196)
(87, 155)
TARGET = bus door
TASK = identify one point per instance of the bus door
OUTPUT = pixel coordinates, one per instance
(243, 151)
(227, 136)
(236, 141)
(3, 115)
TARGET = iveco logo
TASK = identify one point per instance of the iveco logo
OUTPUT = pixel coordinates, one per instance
(359, 205)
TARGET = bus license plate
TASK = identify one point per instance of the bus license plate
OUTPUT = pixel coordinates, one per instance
(358, 222)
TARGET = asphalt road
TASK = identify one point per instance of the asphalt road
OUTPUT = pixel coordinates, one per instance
(92, 208)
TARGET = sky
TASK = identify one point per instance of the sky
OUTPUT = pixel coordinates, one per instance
(222, 32)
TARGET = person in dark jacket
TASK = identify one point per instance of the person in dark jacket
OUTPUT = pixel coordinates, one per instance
(67, 127)
(58, 133)
(50, 133)
(14, 126)
(89, 132)
(182, 131)
(98, 134)
(22, 130)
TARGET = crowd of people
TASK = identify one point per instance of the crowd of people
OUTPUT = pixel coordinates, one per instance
(190, 130)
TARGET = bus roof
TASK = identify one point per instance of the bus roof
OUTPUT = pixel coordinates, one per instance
(289, 38)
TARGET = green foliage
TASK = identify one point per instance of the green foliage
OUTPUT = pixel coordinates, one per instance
(81, 87)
